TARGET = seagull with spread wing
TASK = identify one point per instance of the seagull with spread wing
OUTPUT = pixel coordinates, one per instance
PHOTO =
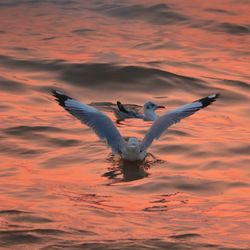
(132, 149)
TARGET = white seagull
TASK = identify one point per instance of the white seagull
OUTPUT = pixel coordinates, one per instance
(149, 109)
(132, 149)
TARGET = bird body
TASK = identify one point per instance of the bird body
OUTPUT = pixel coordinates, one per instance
(132, 149)
(149, 114)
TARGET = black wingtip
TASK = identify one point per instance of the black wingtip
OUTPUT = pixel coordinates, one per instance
(121, 107)
(208, 100)
(60, 97)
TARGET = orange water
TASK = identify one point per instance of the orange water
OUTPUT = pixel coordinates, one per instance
(60, 186)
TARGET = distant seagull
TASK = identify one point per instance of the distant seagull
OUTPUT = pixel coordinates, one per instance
(148, 109)
(133, 149)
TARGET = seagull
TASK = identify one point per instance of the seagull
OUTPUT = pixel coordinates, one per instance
(148, 109)
(132, 149)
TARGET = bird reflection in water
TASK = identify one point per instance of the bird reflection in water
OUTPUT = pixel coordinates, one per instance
(124, 171)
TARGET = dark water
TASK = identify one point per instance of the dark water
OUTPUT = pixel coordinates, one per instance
(61, 188)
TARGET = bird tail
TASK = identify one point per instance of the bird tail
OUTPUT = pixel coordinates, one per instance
(121, 107)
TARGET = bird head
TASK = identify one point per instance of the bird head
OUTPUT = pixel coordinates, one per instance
(133, 143)
(152, 106)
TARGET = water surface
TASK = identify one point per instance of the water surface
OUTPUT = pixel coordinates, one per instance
(61, 187)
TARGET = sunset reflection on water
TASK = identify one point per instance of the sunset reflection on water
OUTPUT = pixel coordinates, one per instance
(61, 187)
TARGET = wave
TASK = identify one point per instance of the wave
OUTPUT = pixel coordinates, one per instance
(108, 76)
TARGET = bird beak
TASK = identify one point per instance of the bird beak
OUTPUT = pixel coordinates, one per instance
(160, 107)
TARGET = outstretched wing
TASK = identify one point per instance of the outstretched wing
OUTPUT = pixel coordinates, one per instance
(95, 119)
(172, 117)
